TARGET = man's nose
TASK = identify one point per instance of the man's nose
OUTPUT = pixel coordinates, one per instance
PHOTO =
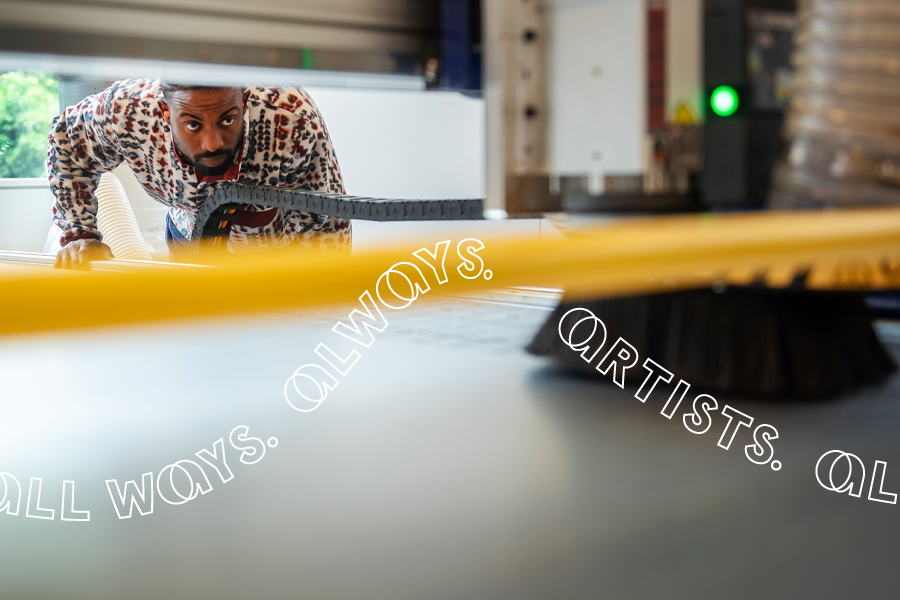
(211, 140)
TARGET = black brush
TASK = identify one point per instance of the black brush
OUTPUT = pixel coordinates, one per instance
(742, 341)
(842, 153)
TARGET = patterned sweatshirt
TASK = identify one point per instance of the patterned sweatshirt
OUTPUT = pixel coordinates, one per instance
(285, 145)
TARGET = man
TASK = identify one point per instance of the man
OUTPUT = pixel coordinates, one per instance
(182, 142)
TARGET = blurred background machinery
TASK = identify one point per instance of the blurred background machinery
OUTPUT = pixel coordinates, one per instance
(635, 106)
(638, 105)
(381, 36)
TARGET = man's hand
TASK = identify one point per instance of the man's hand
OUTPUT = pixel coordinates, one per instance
(80, 253)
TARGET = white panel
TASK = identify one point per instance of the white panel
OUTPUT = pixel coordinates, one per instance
(597, 86)
(406, 144)
(684, 63)
(25, 214)
(369, 235)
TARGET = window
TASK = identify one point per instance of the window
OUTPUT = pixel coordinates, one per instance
(28, 104)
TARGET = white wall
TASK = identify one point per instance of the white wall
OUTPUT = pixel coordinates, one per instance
(406, 144)
(411, 145)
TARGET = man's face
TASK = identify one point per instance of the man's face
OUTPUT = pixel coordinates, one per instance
(207, 125)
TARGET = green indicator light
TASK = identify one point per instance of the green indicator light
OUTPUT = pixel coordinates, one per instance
(724, 100)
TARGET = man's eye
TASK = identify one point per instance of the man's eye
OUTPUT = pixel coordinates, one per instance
(228, 121)
(192, 126)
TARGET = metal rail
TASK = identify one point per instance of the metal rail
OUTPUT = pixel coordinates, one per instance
(37, 259)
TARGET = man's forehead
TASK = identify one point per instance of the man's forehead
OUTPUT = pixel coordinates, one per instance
(206, 99)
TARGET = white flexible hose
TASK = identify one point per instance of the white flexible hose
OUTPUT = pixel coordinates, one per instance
(116, 221)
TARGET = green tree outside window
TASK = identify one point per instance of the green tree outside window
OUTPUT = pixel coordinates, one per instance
(28, 103)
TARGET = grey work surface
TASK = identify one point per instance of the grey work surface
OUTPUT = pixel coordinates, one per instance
(446, 464)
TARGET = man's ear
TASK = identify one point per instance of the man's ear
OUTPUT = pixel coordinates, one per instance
(246, 97)
(164, 106)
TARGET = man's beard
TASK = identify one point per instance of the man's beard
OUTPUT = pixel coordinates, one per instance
(203, 170)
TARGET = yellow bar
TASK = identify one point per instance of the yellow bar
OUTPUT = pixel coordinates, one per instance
(846, 249)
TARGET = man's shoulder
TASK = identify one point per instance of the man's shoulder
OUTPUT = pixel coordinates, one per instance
(135, 89)
(119, 105)
(119, 98)
(281, 100)
(127, 92)
(133, 104)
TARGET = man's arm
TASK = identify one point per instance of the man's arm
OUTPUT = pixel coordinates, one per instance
(82, 146)
(323, 175)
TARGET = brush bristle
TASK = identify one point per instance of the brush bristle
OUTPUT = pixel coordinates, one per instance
(758, 342)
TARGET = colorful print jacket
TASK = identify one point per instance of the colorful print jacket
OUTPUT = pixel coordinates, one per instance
(286, 145)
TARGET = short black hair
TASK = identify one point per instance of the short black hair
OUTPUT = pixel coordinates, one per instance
(171, 88)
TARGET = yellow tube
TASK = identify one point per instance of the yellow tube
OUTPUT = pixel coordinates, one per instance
(847, 249)
(116, 221)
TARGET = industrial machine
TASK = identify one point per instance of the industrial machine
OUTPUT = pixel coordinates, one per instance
(444, 462)
(635, 106)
